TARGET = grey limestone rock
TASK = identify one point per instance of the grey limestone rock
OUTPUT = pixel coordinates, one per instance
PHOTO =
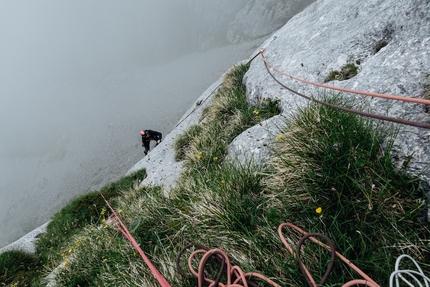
(257, 18)
(387, 40)
(329, 34)
(161, 167)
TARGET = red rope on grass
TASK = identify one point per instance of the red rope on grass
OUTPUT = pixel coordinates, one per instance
(123, 228)
(235, 277)
(367, 281)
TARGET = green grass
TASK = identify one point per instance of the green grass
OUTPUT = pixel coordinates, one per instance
(18, 268)
(322, 157)
(52, 246)
(229, 115)
(342, 163)
(346, 72)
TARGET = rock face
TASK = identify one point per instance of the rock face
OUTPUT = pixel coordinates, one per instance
(161, 167)
(266, 15)
(387, 40)
(390, 40)
(244, 20)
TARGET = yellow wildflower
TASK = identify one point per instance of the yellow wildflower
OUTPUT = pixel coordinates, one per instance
(215, 158)
(64, 263)
(119, 210)
(70, 250)
(103, 211)
(104, 260)
(279, 137)
(256, 112)
(103, 220)
(318, 210)
(223, 181)
(105, 226)
(199, 155)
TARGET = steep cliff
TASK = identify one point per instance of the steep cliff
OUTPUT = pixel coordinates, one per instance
(387, 41)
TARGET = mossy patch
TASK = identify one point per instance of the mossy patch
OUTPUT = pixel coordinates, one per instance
(346, 72)
(379, 45)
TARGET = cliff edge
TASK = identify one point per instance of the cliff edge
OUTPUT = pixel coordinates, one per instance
(387, 42)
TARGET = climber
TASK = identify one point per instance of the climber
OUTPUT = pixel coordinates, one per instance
(147, 136)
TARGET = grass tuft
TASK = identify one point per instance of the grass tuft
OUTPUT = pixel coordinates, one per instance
(346, 72)
(379, 45)
(18, 268)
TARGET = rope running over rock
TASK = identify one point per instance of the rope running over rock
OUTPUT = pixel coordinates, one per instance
(375, 116)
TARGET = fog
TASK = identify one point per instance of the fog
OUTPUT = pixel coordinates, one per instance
(79, 79)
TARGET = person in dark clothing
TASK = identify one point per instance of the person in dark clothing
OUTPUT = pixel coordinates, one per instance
(148, 136)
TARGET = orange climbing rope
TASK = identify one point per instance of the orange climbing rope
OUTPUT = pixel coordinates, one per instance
(367, 281)
(371, 94)
(235, 277)
(121, 226)
(376, 116)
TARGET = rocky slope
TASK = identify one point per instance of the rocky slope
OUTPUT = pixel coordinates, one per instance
(324, 37)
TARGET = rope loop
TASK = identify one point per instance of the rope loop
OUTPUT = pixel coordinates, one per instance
(233, 275)
(412, 274)
(303, 269)
(311, 236)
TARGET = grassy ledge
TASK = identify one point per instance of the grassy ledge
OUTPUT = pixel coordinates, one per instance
(330, 172)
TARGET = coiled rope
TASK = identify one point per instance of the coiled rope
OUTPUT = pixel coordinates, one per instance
(367, 281)
(237, 278)
(376, 116)
(397, 275)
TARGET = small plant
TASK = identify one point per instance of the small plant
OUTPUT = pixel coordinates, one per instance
(379, 45)
(184, 140)
(229, 114)
(346, 72)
